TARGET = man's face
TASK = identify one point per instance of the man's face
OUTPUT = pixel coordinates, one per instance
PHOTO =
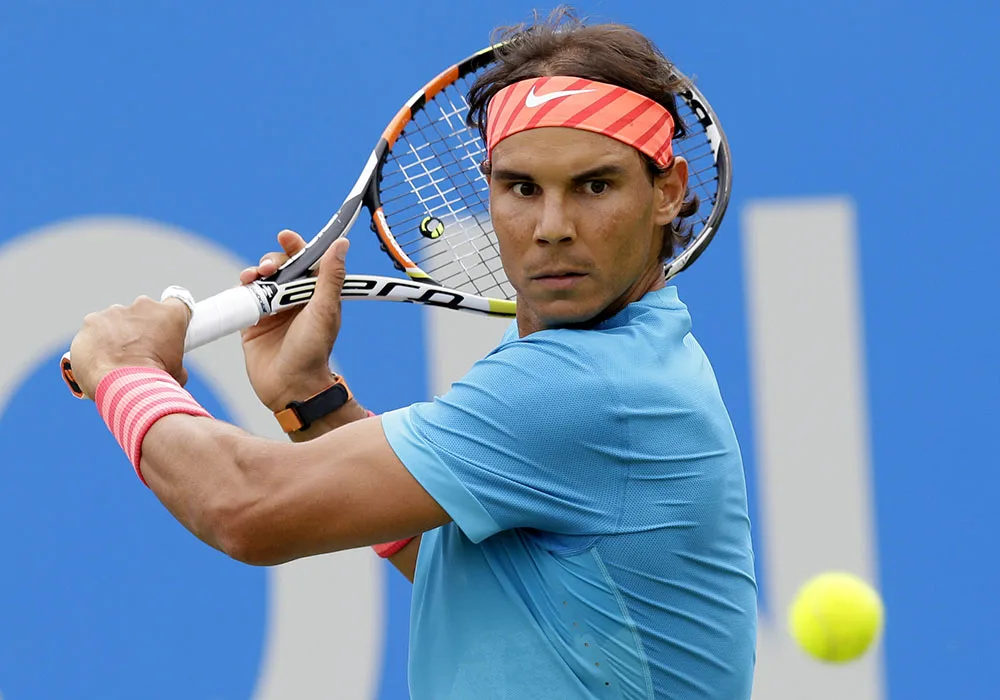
(580, 225)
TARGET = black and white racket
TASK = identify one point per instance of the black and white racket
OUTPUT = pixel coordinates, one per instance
(429, 207)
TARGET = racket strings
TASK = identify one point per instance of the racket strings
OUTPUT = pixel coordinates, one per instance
(486, 270)
(470, 249)
(432, 170)
(473, 182)
(703, 174)
(424, 192)
(436, 199)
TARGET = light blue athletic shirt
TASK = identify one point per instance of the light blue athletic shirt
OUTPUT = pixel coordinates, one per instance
(601, 545)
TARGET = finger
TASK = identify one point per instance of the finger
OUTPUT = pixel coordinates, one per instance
(291, 242)
(274, 256)
(183, 304)
(178, 296)
(270, 262)
(332, 272)
(254, 272)
(267, 267)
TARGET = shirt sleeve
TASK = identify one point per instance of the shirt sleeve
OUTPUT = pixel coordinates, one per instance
(529, 438)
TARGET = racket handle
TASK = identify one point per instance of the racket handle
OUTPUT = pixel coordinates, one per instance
(220, 315)
(211, 319)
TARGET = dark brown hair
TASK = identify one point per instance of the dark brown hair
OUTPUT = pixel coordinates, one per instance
(562, 44)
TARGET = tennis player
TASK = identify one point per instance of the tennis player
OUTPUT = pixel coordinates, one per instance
(578, 498)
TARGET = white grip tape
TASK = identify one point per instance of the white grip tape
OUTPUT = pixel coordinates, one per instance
(218, 316)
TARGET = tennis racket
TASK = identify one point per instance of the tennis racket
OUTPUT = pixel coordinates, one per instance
(428, 206)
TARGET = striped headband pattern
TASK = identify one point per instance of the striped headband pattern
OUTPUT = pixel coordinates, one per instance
(579, 103)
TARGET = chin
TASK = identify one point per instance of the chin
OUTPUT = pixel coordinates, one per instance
(566, 313)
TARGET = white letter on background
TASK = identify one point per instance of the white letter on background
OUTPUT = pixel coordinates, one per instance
(325, 613)
(811, 429)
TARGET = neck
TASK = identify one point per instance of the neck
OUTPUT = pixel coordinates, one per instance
(649, 281)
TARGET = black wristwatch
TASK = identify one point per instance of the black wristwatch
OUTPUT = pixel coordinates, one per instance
(299, 415)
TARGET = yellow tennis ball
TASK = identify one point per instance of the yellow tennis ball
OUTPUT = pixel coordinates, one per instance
(836, 616)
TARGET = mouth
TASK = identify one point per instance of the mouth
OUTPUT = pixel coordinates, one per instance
(559, 279)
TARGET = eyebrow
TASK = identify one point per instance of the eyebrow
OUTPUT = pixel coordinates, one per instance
(597, 173)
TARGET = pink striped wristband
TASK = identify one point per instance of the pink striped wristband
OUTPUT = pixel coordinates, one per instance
(131, 399)
(389, 548)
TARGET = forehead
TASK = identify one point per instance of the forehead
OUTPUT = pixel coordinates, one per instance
(561, 148)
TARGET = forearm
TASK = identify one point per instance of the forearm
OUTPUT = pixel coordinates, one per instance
(265, 502)
(202, 471)
(200, 468)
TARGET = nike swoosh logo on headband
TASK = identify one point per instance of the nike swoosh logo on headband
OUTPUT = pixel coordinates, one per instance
(533, 100)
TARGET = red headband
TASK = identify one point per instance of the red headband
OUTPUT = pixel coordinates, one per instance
(579, 103)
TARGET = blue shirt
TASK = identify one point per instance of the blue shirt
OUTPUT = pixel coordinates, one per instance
(600, 544)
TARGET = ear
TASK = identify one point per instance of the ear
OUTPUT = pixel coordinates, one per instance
(669, 189)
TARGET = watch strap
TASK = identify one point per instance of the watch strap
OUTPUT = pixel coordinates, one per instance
(300, 415)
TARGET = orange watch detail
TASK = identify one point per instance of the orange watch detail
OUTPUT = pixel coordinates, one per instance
(299, 415)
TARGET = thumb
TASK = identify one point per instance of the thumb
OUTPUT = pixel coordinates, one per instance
(330, 281)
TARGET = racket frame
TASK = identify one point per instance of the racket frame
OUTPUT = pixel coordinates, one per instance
(292, 284)
(703, 111)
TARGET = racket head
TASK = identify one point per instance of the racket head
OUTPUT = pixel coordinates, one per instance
(432, 198)
(429, 199)
(710, 175)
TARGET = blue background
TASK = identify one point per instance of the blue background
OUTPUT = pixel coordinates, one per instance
(237, 119)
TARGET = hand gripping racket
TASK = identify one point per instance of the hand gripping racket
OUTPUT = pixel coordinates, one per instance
(428, 203)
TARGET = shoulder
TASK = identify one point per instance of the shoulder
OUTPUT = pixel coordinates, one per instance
(547, 384)
(546, 364)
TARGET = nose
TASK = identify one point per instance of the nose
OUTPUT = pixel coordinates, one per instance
(556, 222)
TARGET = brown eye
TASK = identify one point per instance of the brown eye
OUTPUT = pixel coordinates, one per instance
(524, 189)
(596, 186)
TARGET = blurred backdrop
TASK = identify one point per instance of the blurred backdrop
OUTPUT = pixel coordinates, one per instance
(847, 305)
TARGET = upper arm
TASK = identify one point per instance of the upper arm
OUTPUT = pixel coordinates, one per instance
(405, 560)
(343, 490)
(527, 439)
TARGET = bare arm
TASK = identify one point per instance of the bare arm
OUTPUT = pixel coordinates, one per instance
(266, 502)
(405, 560)
(261, 501)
